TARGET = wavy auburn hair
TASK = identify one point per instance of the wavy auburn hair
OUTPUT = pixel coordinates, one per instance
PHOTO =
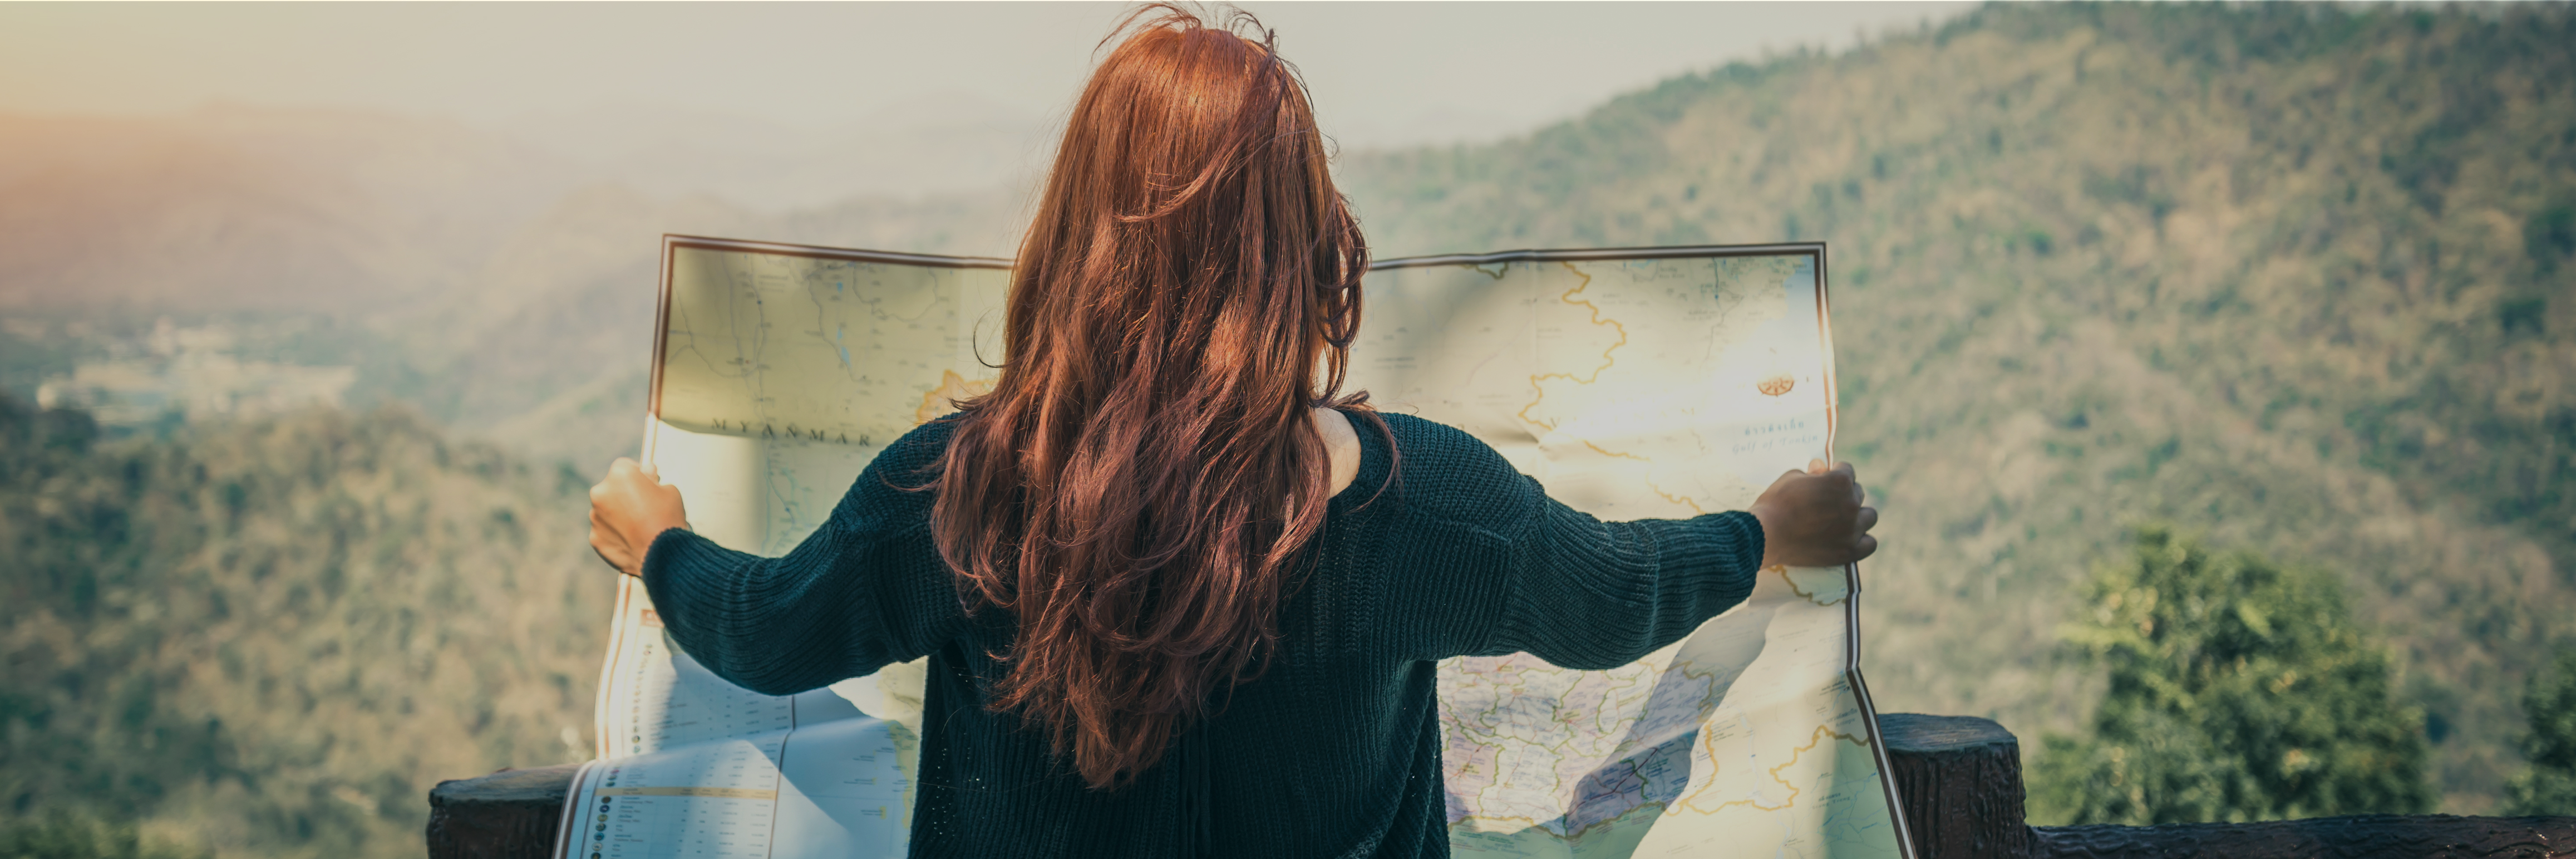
(1138, 485)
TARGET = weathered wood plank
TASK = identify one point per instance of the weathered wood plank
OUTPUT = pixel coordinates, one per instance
(1959, 779)
(2363, 836)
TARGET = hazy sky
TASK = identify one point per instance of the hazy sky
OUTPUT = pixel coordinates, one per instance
(1383, 73)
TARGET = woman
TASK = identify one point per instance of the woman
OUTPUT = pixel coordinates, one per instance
(1175, 602)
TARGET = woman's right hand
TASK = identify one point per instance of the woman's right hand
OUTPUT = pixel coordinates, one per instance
(629, 508)
(1813, 518)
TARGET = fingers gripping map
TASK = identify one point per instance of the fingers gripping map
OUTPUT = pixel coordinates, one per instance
(1647, 383)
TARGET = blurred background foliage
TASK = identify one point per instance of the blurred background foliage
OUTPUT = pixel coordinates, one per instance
(2549, 786)
(62, 835)
(2237, 689)
(2290, 278)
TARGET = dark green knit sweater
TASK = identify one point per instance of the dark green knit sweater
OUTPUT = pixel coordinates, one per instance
(1334, 752)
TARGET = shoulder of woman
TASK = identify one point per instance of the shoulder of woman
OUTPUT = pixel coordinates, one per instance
(920, 446)
(1443, 469)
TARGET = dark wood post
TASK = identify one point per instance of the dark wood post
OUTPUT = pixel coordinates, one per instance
(1959, 778)
(511, 814)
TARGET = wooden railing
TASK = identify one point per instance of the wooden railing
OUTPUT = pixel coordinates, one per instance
(1959, 778)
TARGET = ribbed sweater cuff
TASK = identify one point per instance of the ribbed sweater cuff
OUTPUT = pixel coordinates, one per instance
(1735, 537)
(682, 571)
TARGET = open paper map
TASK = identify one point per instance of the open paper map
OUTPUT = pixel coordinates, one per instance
(1645, 383)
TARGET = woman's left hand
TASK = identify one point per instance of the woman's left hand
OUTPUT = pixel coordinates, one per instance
(629, 508)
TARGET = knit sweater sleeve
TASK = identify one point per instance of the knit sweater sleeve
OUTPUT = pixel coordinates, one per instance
(863, 591)
(1583, 593)
(1561, 584)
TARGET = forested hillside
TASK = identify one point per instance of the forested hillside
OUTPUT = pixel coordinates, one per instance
(2295, 275)
(271, 640)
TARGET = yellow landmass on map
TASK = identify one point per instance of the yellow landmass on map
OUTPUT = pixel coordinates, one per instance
(1584, 282)
(952, 387)
(1683, 500)
(1802, 593)
(1817, 739)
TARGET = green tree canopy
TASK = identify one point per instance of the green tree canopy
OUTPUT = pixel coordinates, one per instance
(64, 836)
(2239, 689)
(2549, 787)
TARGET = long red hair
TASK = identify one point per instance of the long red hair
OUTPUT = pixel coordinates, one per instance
(1138, 485)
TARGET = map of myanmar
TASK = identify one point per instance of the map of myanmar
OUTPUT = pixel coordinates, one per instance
(1648, 383)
